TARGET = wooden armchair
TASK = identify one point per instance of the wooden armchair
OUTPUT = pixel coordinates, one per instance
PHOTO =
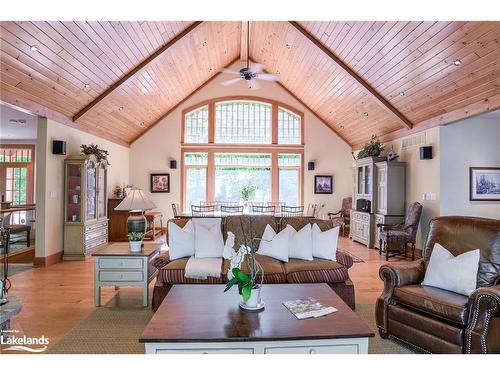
(343, 217)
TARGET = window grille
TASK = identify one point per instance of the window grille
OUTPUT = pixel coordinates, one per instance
(196, 126)
(289, 129)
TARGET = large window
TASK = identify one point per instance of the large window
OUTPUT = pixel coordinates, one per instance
(231, 144)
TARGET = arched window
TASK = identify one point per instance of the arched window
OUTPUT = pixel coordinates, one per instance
(232, 143)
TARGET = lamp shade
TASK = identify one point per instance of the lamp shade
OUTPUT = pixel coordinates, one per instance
(136, 200)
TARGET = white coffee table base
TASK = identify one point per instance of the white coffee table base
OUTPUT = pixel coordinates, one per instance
(331, 346)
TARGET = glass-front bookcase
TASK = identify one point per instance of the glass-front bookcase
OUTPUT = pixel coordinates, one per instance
(85, 206)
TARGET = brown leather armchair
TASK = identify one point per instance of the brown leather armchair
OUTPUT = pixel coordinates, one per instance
(439, 321)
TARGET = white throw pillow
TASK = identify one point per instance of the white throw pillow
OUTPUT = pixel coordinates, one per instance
(324, 244)
(208, 239)
(300, 242)
(275, 245)
(180, 240)
(454, 273)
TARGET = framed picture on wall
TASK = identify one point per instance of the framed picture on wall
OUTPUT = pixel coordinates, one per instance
(323, 184)
(160, 182)
(484, 183)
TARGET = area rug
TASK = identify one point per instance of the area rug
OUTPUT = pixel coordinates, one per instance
(15, 268)
(115, 330)
(355, 258)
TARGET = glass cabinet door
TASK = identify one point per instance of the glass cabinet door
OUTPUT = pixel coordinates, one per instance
(91, 211)
(360, 181)
(101, 192)
(73, 193)
(368, 179)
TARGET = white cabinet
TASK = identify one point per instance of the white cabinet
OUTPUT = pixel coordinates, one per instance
(361, 227)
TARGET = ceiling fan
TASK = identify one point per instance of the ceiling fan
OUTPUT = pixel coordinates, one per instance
(251, 73)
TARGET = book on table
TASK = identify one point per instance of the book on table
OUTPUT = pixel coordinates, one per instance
(308, 308)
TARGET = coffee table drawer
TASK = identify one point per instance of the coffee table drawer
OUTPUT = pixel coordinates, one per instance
(110, 276)
(320, 349)
(120, 263)
(206, 351)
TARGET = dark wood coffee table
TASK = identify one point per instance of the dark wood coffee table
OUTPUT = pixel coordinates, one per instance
(203, 319)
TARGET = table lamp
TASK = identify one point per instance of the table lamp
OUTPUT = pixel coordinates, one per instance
(136, 202)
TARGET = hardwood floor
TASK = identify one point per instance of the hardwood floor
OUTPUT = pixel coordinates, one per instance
(57, 298)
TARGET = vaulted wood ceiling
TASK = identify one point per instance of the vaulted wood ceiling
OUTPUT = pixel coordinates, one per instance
(117, 79)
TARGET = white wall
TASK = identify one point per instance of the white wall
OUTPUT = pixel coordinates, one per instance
(151, 152)
(50, 178)
(474, 142)
(422, 176)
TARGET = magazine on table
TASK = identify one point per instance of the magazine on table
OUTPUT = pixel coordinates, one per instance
(308, 308)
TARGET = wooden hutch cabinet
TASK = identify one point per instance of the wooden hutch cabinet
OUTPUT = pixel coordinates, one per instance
(379, 197)
(85, 206)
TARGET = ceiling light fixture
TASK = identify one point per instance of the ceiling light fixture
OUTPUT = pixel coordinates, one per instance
(21, 121)
(144, 90)
(120, 108)
(365, 113)
(457, 62)
(401, 93)
(34, 48)
(87, 86)
(12, 121)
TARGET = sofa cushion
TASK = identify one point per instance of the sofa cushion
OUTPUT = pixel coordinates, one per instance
(274, 273)
(315, 271)
(173, 273)
(434, 301)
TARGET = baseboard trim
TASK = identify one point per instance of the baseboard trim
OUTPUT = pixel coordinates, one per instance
(48, 261)
(22, 256)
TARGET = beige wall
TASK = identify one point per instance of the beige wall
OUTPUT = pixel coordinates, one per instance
(151, 152)
(50, 178)
(474, 142)
(422, 177)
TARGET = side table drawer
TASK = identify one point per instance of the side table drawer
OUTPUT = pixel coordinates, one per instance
(126, 276)
(206, 351)
(321, 349)
(121, 263)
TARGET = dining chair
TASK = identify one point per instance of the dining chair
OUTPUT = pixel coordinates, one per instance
(311, 209)
(277, 205)
(291, 211)
(231, 210)
(176, 210)
(264, 210)
(203, 210)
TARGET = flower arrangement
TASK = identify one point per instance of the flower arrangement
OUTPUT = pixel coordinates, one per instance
(100, 154)
(247, 192)
(118, 191)
(246, 282)
(371, 148)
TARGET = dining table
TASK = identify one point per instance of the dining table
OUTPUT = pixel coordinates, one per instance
(190, 215)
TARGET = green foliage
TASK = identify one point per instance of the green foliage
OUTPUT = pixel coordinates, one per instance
(372, 148)
(92, 149)
(135, 236)
(243, 281)
(247, 192)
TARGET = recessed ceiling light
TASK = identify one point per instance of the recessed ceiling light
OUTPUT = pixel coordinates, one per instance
(34, 48)
(342, 127)
(22, 121)
(457, 62)
(12, 121)
(401, 93)
(144, 90)
(120, 108)
(365, 113)
(87, 86)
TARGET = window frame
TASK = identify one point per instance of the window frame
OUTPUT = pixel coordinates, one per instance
(29, 165)
(211, 148)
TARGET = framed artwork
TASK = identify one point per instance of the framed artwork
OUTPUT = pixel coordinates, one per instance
(484, 183)
(323, 184)
(160, 182)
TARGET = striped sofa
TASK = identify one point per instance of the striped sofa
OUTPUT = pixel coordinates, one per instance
(334, 273)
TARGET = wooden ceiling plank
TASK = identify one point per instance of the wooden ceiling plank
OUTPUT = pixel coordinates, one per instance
(135, 70)
(374, 94)
(243, 41)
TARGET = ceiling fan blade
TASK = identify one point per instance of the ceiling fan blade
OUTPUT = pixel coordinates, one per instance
(229, 71)
(230, 81)
(256, 67)
(268, 76)
(253, 84)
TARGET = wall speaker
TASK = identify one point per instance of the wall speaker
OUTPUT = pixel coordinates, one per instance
(59, 147)
(425, 152)
(310, 166)
(173, 164)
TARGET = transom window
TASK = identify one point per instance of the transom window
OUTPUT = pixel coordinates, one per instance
(229, 145)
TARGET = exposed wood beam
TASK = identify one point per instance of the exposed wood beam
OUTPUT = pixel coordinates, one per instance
(145, 62)
(245, 29)
(471, 110)
(314, 113)
(381, 101)
(35, 109)
(182, 101)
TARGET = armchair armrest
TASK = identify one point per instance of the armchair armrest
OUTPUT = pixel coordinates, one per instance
(344, 259)
(484, 306)
(390, 225)
(395, 275)
(161, 260)
(334, 213)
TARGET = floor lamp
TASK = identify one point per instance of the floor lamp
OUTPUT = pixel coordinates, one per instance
(136, 202)
(4, 281)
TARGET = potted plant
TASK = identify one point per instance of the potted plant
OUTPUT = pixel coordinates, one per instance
(246, 193)
(100, 154)
(135, 241)
(249, 284)
(372, 148)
